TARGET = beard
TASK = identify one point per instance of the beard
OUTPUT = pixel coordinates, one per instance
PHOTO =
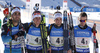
(16, 20)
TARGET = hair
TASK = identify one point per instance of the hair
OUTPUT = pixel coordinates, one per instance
(57, 12)
(83, 14)
(36, 12)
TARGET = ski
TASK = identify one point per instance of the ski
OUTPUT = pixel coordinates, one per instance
(71, 30)
(94, 36)
(43, 29)
(21, 38)
(65, 32)
(10, 26)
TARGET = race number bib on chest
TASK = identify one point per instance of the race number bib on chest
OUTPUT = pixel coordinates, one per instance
(56, 41)
(33, 40)
(82, 42)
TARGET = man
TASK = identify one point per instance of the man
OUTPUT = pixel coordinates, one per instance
(6, 14)
(33, 35)
(11, 33)
(83, 34)
(55, 31)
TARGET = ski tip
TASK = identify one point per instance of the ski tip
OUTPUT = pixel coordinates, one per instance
(95, 24)
(83, 6)
(70, 13)
(65, 12)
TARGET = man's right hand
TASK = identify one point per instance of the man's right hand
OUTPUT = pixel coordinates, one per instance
(49, 50)
(14, 37)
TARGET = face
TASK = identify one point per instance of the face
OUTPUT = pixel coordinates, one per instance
(6, 15)
(37, 20)
(83, 20)
(16, 16)
(58, 21)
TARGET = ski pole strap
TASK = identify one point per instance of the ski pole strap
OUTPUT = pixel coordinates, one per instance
(29, 27)
(50, 28)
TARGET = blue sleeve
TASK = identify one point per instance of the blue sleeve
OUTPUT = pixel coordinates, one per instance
(25, 36)
(25, 25)
(4, 36)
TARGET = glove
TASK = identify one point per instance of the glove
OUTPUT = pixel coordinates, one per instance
(20, 33)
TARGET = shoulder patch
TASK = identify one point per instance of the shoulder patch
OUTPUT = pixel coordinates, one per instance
(76, 28)
(31, 26)
(89, 29)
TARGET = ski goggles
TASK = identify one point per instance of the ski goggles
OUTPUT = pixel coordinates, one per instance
(82, 20)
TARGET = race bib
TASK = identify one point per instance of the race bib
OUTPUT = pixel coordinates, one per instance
(82, 42)
(33, 40)
(57, 41)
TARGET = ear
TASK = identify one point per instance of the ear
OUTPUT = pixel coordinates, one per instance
(78, 19)
(33, 19)
(55, 20)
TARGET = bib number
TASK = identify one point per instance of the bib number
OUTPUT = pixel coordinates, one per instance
(33, 40)
(82, 42)
(59, 41)
(56, 41)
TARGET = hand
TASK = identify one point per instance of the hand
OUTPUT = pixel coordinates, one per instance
(49, 50)
(69, 51)
(15, 37)
(21, 33)
(94, 27)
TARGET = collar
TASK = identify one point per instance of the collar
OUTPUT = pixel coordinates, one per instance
(82, 27)
(58, 26)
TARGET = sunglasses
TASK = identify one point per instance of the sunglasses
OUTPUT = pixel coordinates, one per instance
(82, 20)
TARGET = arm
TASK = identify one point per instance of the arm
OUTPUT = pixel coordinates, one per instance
(5, 36)
(4, 20)
(48, 33)
(25, 26)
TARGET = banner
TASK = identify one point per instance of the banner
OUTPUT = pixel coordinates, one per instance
(78, 9)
